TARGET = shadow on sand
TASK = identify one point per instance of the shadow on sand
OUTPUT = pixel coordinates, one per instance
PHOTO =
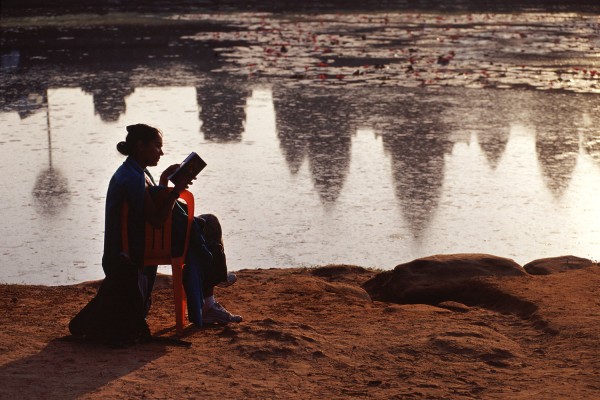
(88, 366)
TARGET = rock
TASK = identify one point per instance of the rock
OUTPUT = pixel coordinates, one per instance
(439, 278)
(454, 306)
(349, 274)
(547, 266)
(346, 292)
(315, 288)
(331, 271)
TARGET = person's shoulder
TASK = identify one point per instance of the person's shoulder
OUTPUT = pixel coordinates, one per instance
(128, 170)
(127, 175)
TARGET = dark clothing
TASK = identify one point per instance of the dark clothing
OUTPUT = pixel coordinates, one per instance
(205, 264)
(117, 312)
(213, 236)
(128, 184)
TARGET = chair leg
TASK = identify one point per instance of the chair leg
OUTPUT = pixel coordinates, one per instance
(179, 296)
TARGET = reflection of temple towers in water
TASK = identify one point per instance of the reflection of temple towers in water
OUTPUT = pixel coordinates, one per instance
(109, 90)
(314, 124)
(51, 190)
(590, 135)
(557, 120)
(222, 103)
(488, 115)
(417, 140)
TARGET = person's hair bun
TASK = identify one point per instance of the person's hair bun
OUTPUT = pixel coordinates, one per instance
(123, 148)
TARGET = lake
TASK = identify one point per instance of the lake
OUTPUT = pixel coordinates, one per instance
(357, 138)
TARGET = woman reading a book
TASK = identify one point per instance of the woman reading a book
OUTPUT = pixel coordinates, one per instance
(124, 297)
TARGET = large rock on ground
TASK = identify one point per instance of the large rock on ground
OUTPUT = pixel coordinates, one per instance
(547, 266)
(434, 279)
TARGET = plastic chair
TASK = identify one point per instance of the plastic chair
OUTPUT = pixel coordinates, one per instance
(157, 249)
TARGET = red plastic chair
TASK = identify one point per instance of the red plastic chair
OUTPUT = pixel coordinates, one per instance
(157, 249)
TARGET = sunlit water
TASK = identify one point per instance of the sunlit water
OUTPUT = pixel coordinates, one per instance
(383, 203)
(302, 175)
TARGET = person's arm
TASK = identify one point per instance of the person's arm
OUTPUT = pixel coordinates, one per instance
(157, 214)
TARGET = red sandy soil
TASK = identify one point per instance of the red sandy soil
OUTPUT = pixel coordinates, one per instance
(315, 333)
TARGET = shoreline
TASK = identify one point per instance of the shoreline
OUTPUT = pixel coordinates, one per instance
(314, 333)
(39, 7)
(576, 260)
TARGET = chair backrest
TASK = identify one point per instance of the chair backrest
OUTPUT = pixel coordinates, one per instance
(157, 247)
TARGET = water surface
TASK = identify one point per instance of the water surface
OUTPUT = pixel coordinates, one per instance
(307, 166)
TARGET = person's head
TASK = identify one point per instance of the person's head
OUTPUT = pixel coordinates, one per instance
(143, 143)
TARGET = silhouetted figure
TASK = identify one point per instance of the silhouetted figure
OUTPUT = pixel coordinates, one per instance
(117, 313)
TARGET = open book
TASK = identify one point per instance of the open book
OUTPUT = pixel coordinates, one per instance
(189, 168)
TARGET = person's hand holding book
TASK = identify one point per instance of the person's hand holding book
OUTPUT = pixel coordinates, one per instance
(183, 181)
(183, 174)
(164, 177)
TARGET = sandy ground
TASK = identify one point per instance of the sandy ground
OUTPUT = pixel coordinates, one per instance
(315, 333)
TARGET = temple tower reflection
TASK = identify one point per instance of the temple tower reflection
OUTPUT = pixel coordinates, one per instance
(556, 121)
(315, 123)
(492, 123)
(417, 140)
(590, 135)
(292, 116)
(109, 90)
(222, 103)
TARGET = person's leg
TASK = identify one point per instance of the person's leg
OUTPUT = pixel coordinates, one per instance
(213, 235)
(147, 284)
(192, 283)
(197, 260)
(216, 273)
